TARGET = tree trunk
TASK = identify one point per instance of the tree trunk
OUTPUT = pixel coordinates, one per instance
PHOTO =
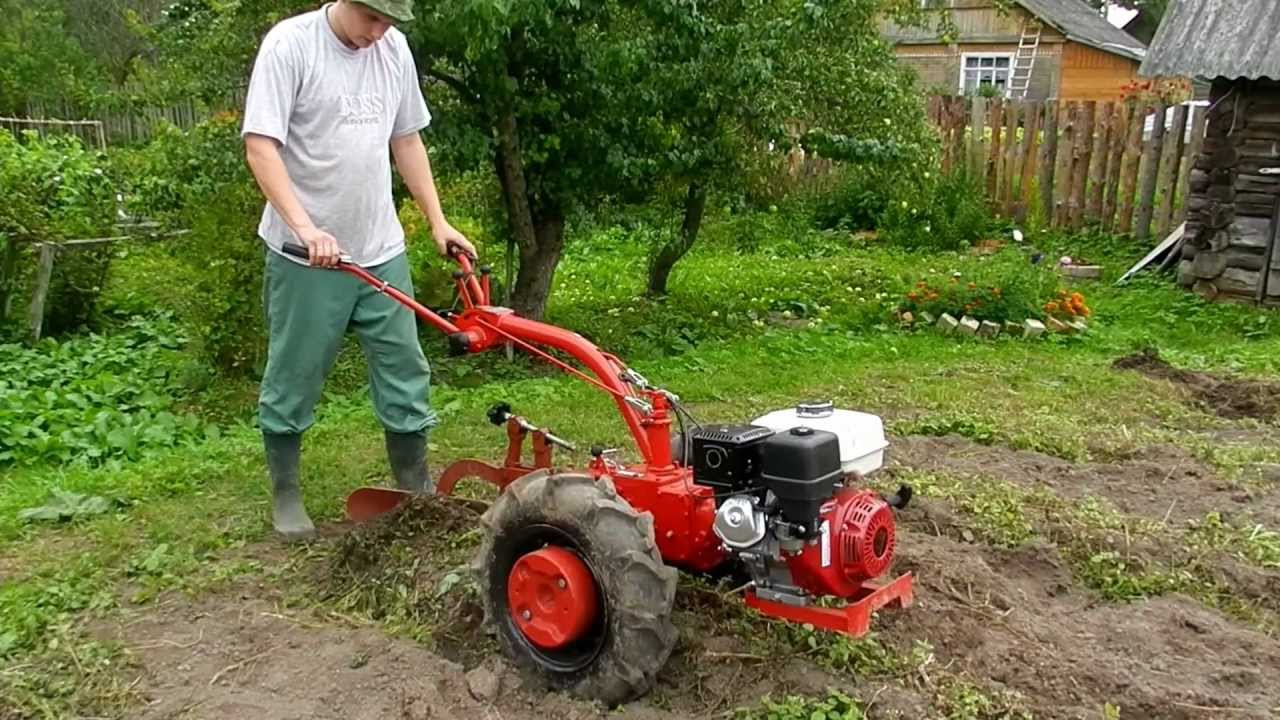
(538, 267)
(539, 236)
(695, 204)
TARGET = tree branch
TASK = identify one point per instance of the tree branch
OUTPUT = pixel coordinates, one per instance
(459, 86)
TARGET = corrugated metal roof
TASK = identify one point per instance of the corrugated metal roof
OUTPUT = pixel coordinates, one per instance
(1217, 38)
(1084, 25)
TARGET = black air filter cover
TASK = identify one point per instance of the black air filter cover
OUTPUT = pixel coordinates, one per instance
(801, 467)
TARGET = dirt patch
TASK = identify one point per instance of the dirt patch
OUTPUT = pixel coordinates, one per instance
(1229, 397)
(1013, 617)
(1162, 483)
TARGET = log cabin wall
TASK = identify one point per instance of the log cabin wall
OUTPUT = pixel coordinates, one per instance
(1228, 254)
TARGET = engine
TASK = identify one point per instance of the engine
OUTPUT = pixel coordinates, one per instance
(787, 504)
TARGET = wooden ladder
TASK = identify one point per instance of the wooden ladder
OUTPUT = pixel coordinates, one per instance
(1024, 61)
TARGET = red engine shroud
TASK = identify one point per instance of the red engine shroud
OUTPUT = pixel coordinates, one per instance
(857, 539)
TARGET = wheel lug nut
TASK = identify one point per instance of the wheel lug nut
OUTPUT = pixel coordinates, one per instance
(526, 615)
(562, 583)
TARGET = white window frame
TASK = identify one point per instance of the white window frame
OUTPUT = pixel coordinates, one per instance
(964, 62)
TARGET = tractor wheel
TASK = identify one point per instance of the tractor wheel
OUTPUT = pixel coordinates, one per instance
(574, 587)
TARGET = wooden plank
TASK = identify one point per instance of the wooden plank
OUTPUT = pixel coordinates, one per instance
(944, 133)
(1032, 133)
(35, 313)
(1167, 185)
(1115, 155)
(1150, 174)
(1082, 153)
(1012, 113)
(977, 140)
(1098, 165)
(992, 169)
(1048, 160)
(935, 110)
(1066, 158)
(959, 121)
(1198, 123)
(1130, 166)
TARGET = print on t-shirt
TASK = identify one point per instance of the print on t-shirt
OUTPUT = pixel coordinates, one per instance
(365, 109)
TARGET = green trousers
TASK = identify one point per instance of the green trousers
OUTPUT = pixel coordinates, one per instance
(308, 313)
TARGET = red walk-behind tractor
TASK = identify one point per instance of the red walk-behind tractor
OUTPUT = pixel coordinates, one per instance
(577, 568)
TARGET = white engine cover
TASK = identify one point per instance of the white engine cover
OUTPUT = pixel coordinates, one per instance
(861, 435)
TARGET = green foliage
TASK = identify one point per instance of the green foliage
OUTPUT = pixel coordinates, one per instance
(835, 706)
(29, 610)
(936, 212)
(962, 700)
(999, 287)
(198, 180)
(1255, 543)
(56, 189)
(67, 506)
(42, 62)
(93, 398)
(1117, 577)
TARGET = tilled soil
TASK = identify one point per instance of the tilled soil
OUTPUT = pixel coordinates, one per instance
(1227, 396)
(1002, 619)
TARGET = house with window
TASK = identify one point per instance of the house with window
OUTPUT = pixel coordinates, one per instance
(1028, 49)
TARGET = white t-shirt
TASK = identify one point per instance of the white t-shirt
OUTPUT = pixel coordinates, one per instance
(335, 110)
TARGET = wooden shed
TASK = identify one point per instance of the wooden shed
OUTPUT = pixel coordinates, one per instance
(1233, 210)
(1034, 50)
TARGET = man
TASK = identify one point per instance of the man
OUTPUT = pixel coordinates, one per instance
(331, 92)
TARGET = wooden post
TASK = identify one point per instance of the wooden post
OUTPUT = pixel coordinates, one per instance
(1150, 172)
(1031, 133)
(978, 140)
(1199, 120)
(44, 271)
(1011, 113)
(1098, 165)
(959, 121)
(992, 160)
(1174, 145)
(1082, 152)
(944, 132)
(1119, 131)
(1048, 160)
(1066, 158)
(1132, 161)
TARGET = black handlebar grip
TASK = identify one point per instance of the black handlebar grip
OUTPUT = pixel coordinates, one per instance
(296, 250)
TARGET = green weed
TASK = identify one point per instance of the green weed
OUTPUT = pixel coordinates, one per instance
(835, 706)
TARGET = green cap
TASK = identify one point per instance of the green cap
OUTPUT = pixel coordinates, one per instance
(398, 10)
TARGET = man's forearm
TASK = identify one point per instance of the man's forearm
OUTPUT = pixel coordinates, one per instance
(415, 169)
(269, 171)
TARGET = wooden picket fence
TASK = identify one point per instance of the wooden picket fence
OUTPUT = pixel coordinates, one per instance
(1077, 163)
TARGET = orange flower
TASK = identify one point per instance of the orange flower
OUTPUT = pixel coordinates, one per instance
(973, 286)
(922, 284)
(931, 296)
(911, 296)
(1051, 307)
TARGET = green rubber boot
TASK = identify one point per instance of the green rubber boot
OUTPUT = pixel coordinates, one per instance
(407, 454)
(287, 512)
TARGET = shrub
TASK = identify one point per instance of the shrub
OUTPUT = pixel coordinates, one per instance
(199, 181)
(946, 212)
(56, 189)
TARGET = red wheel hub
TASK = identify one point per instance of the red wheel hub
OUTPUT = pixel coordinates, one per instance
(552, 597)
